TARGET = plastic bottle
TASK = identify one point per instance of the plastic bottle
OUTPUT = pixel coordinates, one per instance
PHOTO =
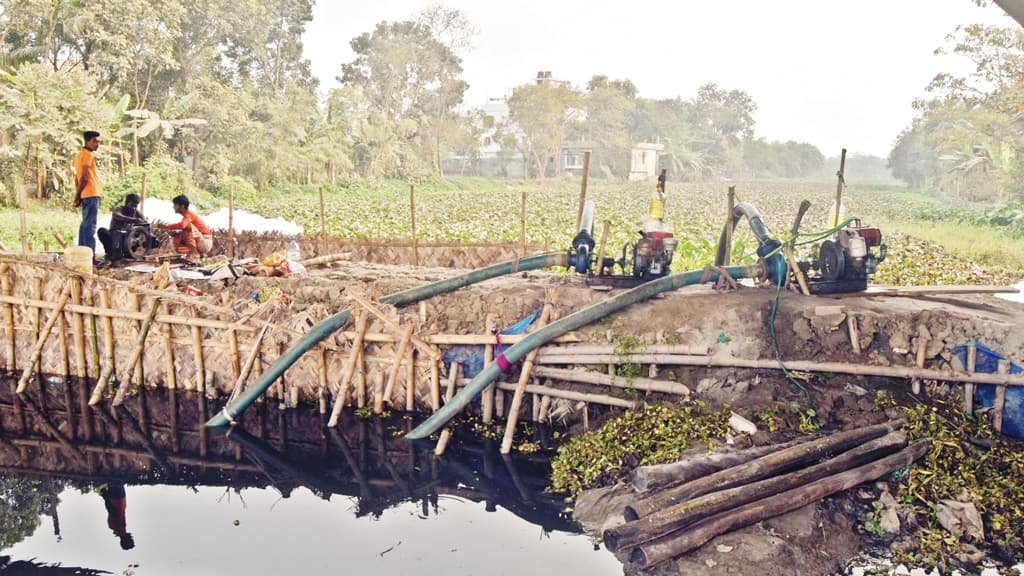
(294, 254)
(832, 220)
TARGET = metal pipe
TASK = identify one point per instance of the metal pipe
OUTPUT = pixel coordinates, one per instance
(329, 326)
(571, 322)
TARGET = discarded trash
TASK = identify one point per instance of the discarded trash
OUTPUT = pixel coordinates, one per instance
(193, 291)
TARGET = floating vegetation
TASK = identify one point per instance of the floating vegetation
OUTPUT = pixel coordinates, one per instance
(971, 463)
(655, 435)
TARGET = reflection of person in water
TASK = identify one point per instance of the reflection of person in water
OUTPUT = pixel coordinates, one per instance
(115, 501)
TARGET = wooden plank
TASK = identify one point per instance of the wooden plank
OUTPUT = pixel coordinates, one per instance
(926, 291)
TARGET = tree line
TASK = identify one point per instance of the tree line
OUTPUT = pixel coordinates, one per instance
(967, 139)
(219, 89)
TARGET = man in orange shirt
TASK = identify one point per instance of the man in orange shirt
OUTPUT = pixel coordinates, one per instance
(88, 189)
(190, 237)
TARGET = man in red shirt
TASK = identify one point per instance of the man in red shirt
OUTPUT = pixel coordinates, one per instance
(191, 237)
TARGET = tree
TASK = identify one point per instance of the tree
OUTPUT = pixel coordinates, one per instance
(609, 107)
(543, 113)
(412, 82)
(22, 501)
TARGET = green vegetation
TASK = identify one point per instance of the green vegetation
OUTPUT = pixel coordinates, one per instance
(968, 462)
(656, 435)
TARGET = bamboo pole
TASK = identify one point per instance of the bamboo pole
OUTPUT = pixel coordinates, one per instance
(524, 377)
(999, 405)
(326, 259)
(410, 382)
(851, 324)
(657, 551)
(799, 365)
(250, 360)
(362, 323)
(321, 392)
(455, 339)
(360, 379)
(687, 513)
(396, 368)
(591, 349)
(601, 247)
(757, 469)
(37, 291)
(522, 226)
(79, 330)
(140, 365)
(922, 346)
(602, 399)
(730, 207)
(231, 220)
(412, 219)
(108, 333)
(597, 378)
(37, 349)
(323, 223)
(435, 385)
(22, 201)
(972, 359)
(63, 244)
(142, 193)
(170, 375)
(583, 189)
(487, 396)
(446, 434)
(840, 181)
(134, 315)
(5, 285)
(136, 359)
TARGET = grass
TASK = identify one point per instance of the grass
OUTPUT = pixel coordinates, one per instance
(983, 245)
(41, 223)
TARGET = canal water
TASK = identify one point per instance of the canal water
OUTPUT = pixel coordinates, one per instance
(280, 494)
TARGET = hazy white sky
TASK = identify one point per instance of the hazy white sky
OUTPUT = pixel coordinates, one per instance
(835, 74)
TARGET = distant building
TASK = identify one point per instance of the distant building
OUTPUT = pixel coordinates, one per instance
(643, 161)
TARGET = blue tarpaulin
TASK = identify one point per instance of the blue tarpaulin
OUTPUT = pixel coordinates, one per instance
(987, 362)
(472, 357)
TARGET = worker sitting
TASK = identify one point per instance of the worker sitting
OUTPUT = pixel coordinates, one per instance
(191, 237)
(123, 221)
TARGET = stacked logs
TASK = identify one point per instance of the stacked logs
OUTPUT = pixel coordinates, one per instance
(716, 494)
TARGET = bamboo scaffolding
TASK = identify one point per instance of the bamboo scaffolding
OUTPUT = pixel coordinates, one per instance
(524, 377)
(972, 359)
(375, 310)
(602, 349)
(410, 382)
(37, 349)
(446, 434)
(5, 285)
(170, 375)
(487, 396)
(81, 368)
(542, 391)
(999, 404)
(136, 359)
(435, 385)
(108, 333)
(197, 343)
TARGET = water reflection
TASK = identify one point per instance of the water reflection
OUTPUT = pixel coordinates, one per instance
(279, 493)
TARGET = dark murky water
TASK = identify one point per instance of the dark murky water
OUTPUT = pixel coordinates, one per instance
(280, 495)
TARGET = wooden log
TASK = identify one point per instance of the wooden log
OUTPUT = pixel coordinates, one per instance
(689, 512)
(362, 322)
(396, 368)
(136, 357)
(657, 476)
(524, 377)
(851, 324)
(446, 434)
(326, 259)
(672, 545)
(37, 349)
(759, 468)
(597, 378)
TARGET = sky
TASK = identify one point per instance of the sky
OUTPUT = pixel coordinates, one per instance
(834, 74)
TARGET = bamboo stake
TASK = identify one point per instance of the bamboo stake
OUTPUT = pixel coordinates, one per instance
(590, 349)
(326, 259)
(197, 343)
(435, 385)
(142, 193)
(730, 206)
(446, 434)
(851, 324)
(410, 382)
(487, 396)
(545, 408)
(412, 219)
(170, 375)
(236, 359)
(399, 357)
(37, 349)
(585, 397)
(362, 323)
(136, 359)
(37, 291)
(1000, 402)
(972, 359)
(922, 346)
(63, 244)
(840, 181)
(601, 247)
(524, 377)
(583, 189)
(231, 220)
(79, 330)
(140, 365)
(62, 335)
(250, 360)
(108, 354)
(522, 227)
(321, 392)
(5, 285)
(323, 223)
(361, 380)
